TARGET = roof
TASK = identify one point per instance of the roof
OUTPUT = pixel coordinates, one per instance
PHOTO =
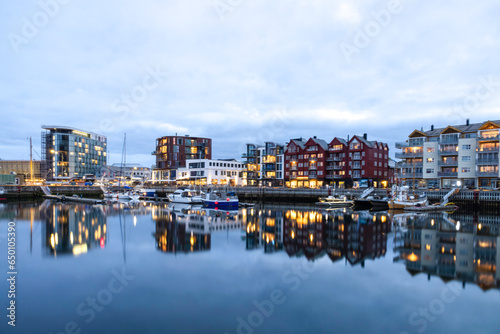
(474, 127)
(321, 143)
(299, 142)
(69, 128)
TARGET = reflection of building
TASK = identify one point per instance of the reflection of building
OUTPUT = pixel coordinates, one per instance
(439, 245)
(69, 152)
(457, 155)
(264, 228)
(74, 229)
(355, 236)
(265, 164)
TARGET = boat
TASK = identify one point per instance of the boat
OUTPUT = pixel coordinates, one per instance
(220, 199)
(183, 195)
(335, 201)
(401, 199)
(444, 205)
(145, 192)
(2, 191)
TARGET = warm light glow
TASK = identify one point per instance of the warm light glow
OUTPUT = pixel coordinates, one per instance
(135, 220)
(52, 242)
(293, 235)
(57, 239)
(71, 237)
(383, 219)
(311, 237)
(412, 257)
(432, 222)
(479, 227)
(428, 247)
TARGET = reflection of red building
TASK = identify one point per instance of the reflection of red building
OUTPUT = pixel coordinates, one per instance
(355, 236)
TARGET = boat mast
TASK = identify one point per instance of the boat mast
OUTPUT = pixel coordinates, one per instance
(31, 161)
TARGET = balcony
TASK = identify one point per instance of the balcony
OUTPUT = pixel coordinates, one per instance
(402, 144)
(329, 159)
(453, 140)
(313, 159)
(448, 174)
(487, 174)
(448, 152)
(313, 167)
(293, 160)
(154, 153)
(336, 176)
(329, 167)
(487, 161)
(338, 167)
(293, 177)
(410, 175)
(329, 176)
(448, 163)
(490, 138)
(487, 149)
(404, 155)
(356, 167)
(314, 176)
(338, 159)
(409, 165)
(356, 157)
(294, 167)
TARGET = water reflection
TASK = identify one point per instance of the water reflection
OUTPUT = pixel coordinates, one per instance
(441, 245)
(72, 228)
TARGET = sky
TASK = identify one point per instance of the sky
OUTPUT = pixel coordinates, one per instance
(243, 71)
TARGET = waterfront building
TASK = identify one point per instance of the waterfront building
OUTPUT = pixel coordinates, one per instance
(71, 153)
(129, 170)
(22, 169)
(341, 163)
(172, 152)
(264, 164)
(211, 172)
(463, 155)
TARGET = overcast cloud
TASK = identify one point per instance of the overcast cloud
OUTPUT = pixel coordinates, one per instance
(244, 70)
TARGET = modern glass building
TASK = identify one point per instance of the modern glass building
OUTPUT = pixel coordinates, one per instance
(71, 153)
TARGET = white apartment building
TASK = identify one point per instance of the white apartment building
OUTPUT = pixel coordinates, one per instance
(455, 156)
(211, 172)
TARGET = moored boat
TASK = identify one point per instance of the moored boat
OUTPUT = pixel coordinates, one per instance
(335, 201)
(221, 199)
(183, 195)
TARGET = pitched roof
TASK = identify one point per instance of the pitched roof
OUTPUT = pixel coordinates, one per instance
(474, 127)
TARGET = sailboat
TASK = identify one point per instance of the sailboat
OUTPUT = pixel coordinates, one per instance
(401, 199)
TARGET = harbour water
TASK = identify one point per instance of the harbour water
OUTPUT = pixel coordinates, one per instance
(158, 268)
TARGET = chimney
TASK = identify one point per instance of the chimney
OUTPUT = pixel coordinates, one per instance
(347, 137)
(365, 136)
(314, 137)
(432, 127)
(467, 122)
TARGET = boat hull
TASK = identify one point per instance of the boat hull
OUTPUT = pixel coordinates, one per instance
(401, 205)
(231, 204)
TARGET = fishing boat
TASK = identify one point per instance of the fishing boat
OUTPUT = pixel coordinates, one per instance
(444, 205)
(220, 199)
(401, 199)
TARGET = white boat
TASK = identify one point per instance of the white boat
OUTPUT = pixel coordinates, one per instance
(2, 191)
(402, 199)
(220, 199)
(335, 200)
(184, 196)
(147, 192)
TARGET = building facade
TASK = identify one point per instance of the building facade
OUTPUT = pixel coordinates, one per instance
(131, 171)
(23, 169)
(71, 153)
(211, 172)
(264, 164)
(455, 156)
(172, 152)
(341, 163)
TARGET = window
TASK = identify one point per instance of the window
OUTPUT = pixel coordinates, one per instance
(466, 147)
(428, 236)
(429, 170)
(466, 170)
(466, 158)
(430, 160)
(431, 149)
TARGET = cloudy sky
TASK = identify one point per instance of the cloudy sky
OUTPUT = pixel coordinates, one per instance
(243, 70)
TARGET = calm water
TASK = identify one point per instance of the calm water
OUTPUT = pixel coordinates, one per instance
(156, 269)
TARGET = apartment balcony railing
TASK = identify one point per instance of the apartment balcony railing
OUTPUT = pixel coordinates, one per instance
(329, 176)
(294, 167)
(409, 165)
(313, 176)
(448, 174)
(481, 138)
(338, 167)
(448, 163)
(336, 176)
(453, 140)
(487, 149)
(338, 159)
(487, 161)
(448, 152)
(293, 177)
(293, 160)
(356, 167)
(329, 159)
(313, 159)
(329, 167)
(402, 144)
(487, 174)
(356, 157)
(404, 155)
(410, 175)
(313, 167)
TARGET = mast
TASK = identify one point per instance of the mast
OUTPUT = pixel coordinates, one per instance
(124, 159)
(31, 161)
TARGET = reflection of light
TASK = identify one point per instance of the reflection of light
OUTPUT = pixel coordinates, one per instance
(102, 242)
(458, 225)
(383, 219)
(135, 220)
(432, 222)
(311, 237)
(428, 247)
(192, 239)
(79, 249)
(374, 219)
(71, 237)
(293, 235)
(479, 227)
(52, 242)
(57, 239)
(412, 257)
